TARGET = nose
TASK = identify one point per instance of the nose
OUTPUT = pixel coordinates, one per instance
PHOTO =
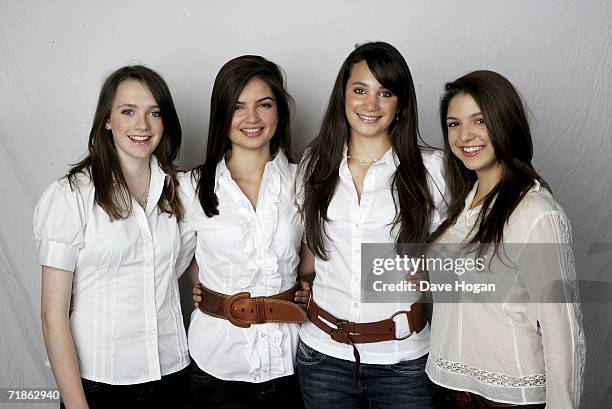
(465, 133)
(371, 101)
(252, 116)
(142, 121)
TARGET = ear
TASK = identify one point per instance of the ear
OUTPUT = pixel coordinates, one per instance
(107, 125)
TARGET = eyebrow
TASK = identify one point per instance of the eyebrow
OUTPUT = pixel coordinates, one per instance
(258, 101)
(471, 116)
(136, 106)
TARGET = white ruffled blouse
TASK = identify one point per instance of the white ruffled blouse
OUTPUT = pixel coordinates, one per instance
(521, 348)
(243, 249)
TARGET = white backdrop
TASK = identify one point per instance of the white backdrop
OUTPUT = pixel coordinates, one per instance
(54, 56)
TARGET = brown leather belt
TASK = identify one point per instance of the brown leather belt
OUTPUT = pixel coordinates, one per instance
(450, 398)
(351, 333)
(242, 310)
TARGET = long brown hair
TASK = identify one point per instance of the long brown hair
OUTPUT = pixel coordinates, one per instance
(229, 83)
(508, 129)
(324, 154)
(102, 162)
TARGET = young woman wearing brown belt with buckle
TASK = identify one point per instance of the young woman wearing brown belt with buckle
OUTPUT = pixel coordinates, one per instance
(242, 223)
(525, 349)
(365, 180)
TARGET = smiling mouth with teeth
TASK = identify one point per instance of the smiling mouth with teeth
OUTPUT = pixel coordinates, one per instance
(472, 149)
(252, 132)
(368, 119)
(139, 138)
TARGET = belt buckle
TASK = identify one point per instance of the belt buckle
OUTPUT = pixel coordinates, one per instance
(229, 303)
(338, 330)
(411, 330)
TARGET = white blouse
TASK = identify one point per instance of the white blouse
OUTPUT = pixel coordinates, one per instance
(243, 249)
(518, 351)
(126, 324)
(337, 286)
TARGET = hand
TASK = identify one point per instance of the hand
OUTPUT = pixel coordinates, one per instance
(303, 294)
(197, 294)
(417, 277)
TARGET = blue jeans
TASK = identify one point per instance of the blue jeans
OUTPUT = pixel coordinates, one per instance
(327, 382)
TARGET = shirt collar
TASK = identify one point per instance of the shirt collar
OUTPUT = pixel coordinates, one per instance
(157, 183)
(280, 163)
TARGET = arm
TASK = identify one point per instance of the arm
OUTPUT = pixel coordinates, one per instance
(549, 273)
(306, 274)
(55, 301)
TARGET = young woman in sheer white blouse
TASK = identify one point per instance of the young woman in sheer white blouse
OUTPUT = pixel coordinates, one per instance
(242, 223)
(526, 348)
(108, 234)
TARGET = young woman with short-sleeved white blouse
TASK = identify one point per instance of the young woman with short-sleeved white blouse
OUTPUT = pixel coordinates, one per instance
(108, 234)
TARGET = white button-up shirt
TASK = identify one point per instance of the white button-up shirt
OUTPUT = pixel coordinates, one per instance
(518, 351)
(244, 249)
(126, 324)
(337, 286)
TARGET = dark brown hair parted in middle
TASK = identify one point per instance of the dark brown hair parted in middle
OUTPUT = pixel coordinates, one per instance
(229, 83)
(324, 154)
(510, 136)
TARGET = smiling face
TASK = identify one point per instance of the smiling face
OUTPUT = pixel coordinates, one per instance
(255, 117)
(370, 108)
(135, 122)
(468, 136)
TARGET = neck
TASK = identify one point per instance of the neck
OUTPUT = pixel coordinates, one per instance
(487, 180)
(366, 148)
(248, 164)
(135, 171)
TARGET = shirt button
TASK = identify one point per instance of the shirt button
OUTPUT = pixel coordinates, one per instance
(356, 225)
(260, 283)
(263, 335)
(355, 305)
(356, 251)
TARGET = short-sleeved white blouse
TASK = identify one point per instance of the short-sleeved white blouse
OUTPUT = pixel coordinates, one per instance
(126, 324)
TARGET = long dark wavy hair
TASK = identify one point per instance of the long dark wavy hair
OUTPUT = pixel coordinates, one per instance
(508, 129)
(323, 156)
(102, 162)
(229, 83)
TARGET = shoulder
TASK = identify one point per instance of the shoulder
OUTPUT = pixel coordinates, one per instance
(538, 202)
(537, 210)
(187, 182)
(78, 185)
(432, 158)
